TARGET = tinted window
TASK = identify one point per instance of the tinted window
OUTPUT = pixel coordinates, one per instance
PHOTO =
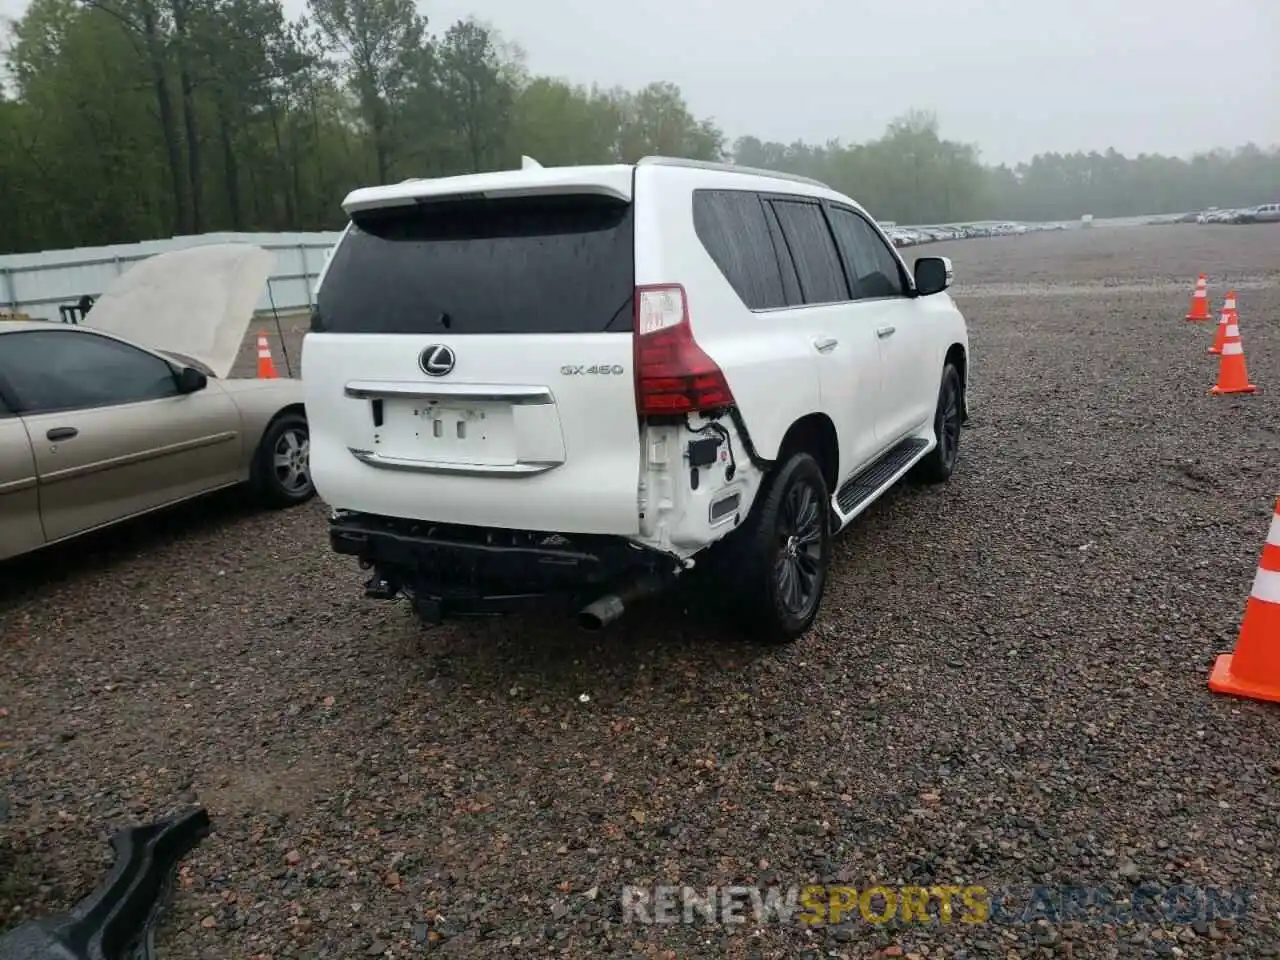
(790, 280)
(814, 252)
(874, 267)
(52, 370)
(733, 229)
(530, 265)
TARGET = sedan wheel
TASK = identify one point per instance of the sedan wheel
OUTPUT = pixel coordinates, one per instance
(282, 467)
(292, 460)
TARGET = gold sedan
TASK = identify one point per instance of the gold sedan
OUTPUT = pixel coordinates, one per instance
(133, 410)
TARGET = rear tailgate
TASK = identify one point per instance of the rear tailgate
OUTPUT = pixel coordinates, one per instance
(470, 361)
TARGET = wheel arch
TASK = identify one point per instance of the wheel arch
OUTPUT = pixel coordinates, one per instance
(299, 408)
(815, 434)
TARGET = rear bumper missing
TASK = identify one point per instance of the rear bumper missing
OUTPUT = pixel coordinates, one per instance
(450, 570)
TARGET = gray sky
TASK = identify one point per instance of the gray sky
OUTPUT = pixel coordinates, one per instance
(1016, 77)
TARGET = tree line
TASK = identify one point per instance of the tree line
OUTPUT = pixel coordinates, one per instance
(125, 120)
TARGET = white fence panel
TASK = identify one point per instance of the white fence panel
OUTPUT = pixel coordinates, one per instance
(38, 283)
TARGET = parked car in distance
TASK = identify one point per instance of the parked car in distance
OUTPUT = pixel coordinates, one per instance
(1264, 213)
(582, 383)
(1215, 215)
(132, 410)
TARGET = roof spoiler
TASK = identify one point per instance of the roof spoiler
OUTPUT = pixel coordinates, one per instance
(531, 180)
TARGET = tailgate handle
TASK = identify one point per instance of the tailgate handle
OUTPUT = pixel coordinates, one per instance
(470, 392)
(521, 468)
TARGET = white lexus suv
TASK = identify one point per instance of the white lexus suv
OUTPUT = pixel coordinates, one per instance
(574, 385)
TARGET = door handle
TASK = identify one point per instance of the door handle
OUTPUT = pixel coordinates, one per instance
(883, 332)
(826, 345)
(62, 433)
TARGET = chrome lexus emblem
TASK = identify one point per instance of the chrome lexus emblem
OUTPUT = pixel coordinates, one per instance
(436, 360)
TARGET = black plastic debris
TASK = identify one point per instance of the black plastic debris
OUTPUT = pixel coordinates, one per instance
(116, 921)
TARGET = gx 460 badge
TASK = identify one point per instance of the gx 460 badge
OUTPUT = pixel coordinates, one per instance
(607, 369)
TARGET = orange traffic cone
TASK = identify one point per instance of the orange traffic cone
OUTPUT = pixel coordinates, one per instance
(266, 366)
(1200, 301)
(1233, 377)
(1253, 671)
(1227, 317)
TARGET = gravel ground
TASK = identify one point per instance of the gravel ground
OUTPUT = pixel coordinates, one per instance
(1006, 687)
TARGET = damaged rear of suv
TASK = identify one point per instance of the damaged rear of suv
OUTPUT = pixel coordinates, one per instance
(512, 404)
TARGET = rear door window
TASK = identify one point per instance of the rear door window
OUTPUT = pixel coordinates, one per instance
(732, 227)
(804, 226)
(561, 264)
(790, 279)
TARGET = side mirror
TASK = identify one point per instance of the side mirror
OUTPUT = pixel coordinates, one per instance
(933, 275)
(190, 380)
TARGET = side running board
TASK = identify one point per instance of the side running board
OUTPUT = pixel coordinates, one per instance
(860, 490)
(116, 921)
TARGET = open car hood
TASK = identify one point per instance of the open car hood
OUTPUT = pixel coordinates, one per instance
(196, 302)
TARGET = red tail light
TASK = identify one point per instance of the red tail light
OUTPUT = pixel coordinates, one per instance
(673, 374)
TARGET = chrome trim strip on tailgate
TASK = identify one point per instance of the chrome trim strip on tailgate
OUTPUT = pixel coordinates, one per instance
(474, 392)
(521, 468)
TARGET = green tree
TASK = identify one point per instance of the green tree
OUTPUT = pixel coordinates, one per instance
(146, 26)
(130, 119)
(95, 159)
(380, 42)
(476, 92)
(656, 120)
(559, 124)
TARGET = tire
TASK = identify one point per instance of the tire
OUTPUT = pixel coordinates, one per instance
(281, 473)
(786, 543)
(938, 466)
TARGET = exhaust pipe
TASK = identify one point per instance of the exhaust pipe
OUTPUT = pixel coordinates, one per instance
(598, 615)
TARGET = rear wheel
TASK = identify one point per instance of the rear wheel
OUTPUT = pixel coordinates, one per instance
(781, 560)
(938, 466)
(282, 465)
